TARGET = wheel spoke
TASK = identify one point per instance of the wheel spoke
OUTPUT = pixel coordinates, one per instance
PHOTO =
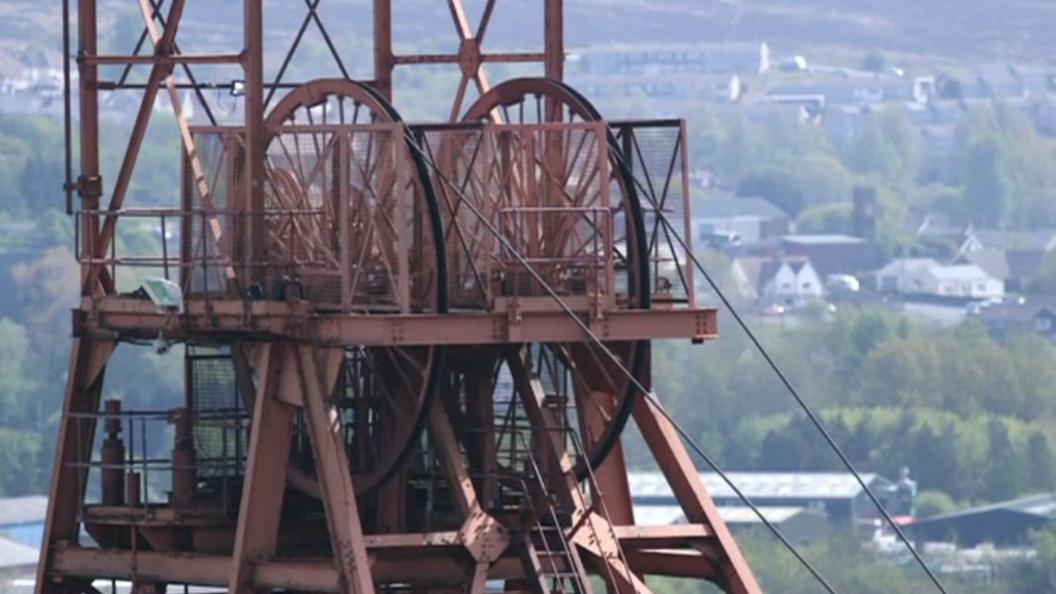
(385, 393)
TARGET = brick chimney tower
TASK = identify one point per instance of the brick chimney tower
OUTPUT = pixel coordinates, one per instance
(863, 223)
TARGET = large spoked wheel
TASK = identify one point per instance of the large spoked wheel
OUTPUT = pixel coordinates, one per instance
(582, 373)
(337, 207)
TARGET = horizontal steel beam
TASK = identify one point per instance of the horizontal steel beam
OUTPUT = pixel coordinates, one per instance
(431, 564)
(455, 58)
(674, 563)
(170, 59)
(316, 575)
(129, 318)
(663, 537)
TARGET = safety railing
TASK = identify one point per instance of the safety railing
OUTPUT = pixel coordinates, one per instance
(569, 247)
(345, 218)
(517, 194)
(655, 154)
(174, 458)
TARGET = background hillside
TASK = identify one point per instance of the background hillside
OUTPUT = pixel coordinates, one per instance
(939, 30)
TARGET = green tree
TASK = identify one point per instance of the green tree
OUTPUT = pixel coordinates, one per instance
(985, 186)
(1040, 576)
(889, 145)
(15, 376)
(1041, 461)
(825, 218)
(1005, 475)
(933, 503)
(40, 183)
(49, 287)
(20, 457)
(941, 462)
(777, 185)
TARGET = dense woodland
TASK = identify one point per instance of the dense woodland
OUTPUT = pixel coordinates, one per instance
(996, 171)
(971, 418)
(848, 567)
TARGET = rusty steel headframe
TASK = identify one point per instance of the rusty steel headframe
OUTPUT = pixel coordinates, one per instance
(409, 350)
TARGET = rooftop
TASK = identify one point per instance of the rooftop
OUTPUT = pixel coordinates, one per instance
(15, 554)
(758, 485)
(959, 272)
(823, 239)
(1016, 311)
(23, 510)
(1039, 240)
(661, 515)
(908, 265)
(1043, 506)
(740, 514)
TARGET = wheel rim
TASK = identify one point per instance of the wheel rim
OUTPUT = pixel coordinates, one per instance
(384, 394)
(590, 372)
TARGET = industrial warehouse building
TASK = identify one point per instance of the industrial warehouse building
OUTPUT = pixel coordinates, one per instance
(1004, 524)
(811, 502)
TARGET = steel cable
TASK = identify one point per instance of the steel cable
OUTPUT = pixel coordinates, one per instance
(815, 421)
(623, 370)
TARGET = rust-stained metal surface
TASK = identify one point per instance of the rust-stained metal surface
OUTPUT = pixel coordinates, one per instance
(392, 377)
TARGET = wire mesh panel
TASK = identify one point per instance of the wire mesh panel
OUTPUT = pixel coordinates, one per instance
(535, 194)
(207, 237)
(345, 221)
(655, 154)
(221, 421)
(302, 200)
(346, 215)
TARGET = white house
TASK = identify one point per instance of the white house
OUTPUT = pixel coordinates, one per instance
(903, 275)
(963, 280)
(925, 276)
(790, 281)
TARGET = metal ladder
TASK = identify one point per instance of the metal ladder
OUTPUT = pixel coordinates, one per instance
(548, 551)
(566, 552)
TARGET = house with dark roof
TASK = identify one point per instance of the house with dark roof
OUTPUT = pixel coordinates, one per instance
(1005, 523)
(747, 219)
(1038, 240)
(1020, 318)
(1018, 269)
(834, 253)
(1013, 257)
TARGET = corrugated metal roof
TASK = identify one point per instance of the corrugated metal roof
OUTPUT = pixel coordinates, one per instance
(663, 515)
(1039, 505)
(23, 510)
(15, 554)
(739, 514)
(658, 515)
(754, 485)
(822, 239)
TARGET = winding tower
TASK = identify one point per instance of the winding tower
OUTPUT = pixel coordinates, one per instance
(410, 350)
